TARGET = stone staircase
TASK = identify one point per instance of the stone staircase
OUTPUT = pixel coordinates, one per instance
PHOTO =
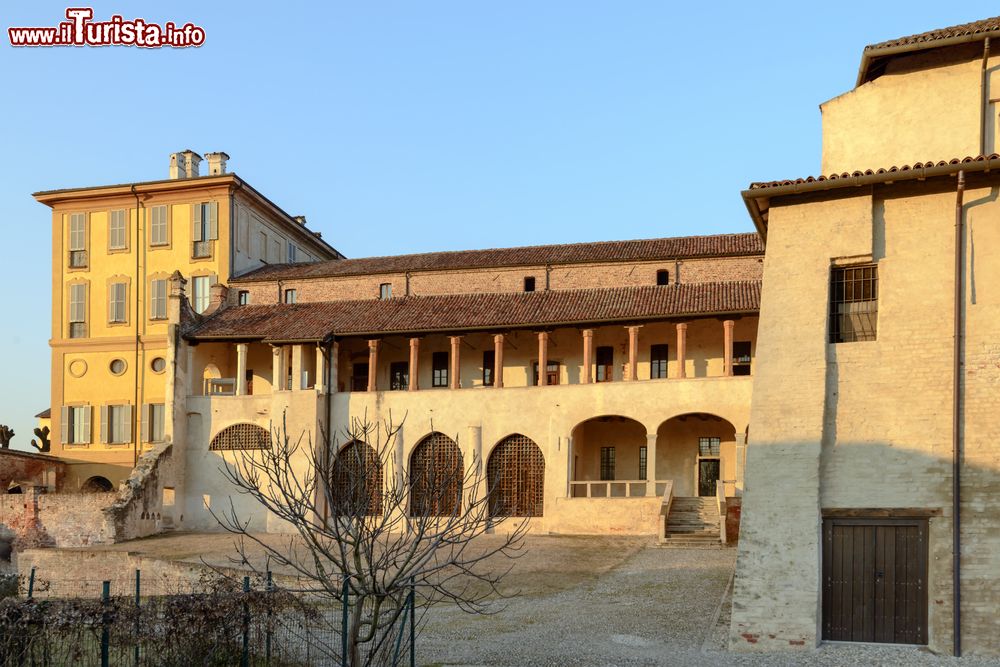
(693, 523)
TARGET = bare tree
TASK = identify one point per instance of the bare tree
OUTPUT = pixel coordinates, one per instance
(6, 435)
(382, 527)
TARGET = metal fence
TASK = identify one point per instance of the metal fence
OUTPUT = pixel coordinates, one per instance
(214, 622)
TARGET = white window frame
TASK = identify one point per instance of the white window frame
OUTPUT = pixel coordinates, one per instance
(291, 296)
(116, 424)
(77, 428)
(201, 293)
(385, 291)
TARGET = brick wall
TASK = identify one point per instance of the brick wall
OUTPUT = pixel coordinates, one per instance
(35, 519)
(38, 469)
(505, 279)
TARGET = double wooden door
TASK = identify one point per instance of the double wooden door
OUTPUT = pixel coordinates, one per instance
(875, 580)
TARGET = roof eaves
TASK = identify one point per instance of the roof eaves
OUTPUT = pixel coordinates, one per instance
(874, 51)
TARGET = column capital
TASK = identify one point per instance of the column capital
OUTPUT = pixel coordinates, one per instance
(651, 438)
(373, 343)
(498, 338)
(587, 333)
(633, 327)
(682, 326)
(414, 342)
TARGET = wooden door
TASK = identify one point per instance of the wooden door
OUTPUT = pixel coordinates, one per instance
(875, 580)
(708, 475)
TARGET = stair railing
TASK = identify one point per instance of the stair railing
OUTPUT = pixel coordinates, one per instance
(668, 497)
(720, 498)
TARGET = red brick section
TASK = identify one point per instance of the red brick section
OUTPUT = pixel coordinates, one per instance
(686, 247)
(974, 28)
(416, 314)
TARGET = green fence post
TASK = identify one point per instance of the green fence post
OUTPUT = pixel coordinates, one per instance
(267, 636)
(137, 618)
(31, 583)
(105, 630)
(245, 658)
(343, 629)
(413, 613)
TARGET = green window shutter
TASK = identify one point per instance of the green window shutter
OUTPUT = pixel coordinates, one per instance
(64, 425)
(105, 439)
(86, 410)
(196, 222)
(213, 221)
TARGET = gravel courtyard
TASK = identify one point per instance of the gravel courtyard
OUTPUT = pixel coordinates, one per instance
(589, 601)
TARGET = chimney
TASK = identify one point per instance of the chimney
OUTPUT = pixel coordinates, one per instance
(191, 163)
(301, 219)
(218, 296)
(216, 163)
(177, 167)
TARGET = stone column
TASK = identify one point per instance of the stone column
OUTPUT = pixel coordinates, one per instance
(569, 465)
(474, 466)
(727, 351)
(334, 367)
(454, 363)
(414, 364)
(241, 368)
(588, 357)
(498, 360)
(681, 349)
(297, 384)
(372, 364)
(277, 378)
(543, 358)
(320, 382)
(633, 353)
(650, 464)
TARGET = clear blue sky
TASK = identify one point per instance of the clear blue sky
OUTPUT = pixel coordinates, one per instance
(410, 126)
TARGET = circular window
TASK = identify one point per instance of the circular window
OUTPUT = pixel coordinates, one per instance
(77, 368)
(158, 364)
(117, 366)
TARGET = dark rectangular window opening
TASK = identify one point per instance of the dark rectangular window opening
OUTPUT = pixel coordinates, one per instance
(741, 357)
(489, 364)
(853, 303)
(552, 372)
(642, 462)
(399, 376)
(662, 277)
(607, 463)
(529, 284)
(605, 363)
(709, 446)
(359, 379)
(244, 297)
(658, 361)
(439, 369)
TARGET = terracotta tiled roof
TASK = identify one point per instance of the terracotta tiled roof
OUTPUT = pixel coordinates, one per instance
(416, 314)
(916, 168)
(605, 251)
(974, 28)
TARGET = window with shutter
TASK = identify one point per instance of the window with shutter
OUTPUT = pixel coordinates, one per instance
(117, 230)
(158, 230)
(78, 310)
(78, 240)
(76, 424)
(117, 303)
(158, 299)
(291, 253)
(205, 228)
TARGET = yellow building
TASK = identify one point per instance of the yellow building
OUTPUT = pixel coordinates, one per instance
(113, 250)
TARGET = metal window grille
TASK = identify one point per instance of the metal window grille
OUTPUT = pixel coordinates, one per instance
(709, 446)
(853, 303)
(515, 474)
(607, 463)
(202, 249)
(356, 481)
(77, 259)
(241, 436)
(642, 462)
(436, 477)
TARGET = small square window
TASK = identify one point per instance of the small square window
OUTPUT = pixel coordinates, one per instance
(853, 303)
(290, 296)
(529, 284)
(662, 277)
(385, 291)
(244, 297)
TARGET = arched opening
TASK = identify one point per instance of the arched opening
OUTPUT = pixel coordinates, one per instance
(609, 458)
(241, 436)
(356, 481)
(209, 377)
(437, 475)
(97, 484)
(696, 451)
(515, 474)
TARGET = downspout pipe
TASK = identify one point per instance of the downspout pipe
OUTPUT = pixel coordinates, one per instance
(137, 318)
(983, 96)
(956, 453)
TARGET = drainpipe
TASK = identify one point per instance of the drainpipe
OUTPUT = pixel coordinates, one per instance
(983, 97)
(137, 318)
(956, 454)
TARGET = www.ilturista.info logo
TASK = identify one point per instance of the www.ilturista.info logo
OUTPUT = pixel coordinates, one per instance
(80, 30)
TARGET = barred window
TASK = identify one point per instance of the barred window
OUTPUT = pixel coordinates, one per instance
(607, 463)
(241, 436)
(515, 474)
(436, 477)
(853, 303)
(356, 481)
(642, 462)
(709, 446)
